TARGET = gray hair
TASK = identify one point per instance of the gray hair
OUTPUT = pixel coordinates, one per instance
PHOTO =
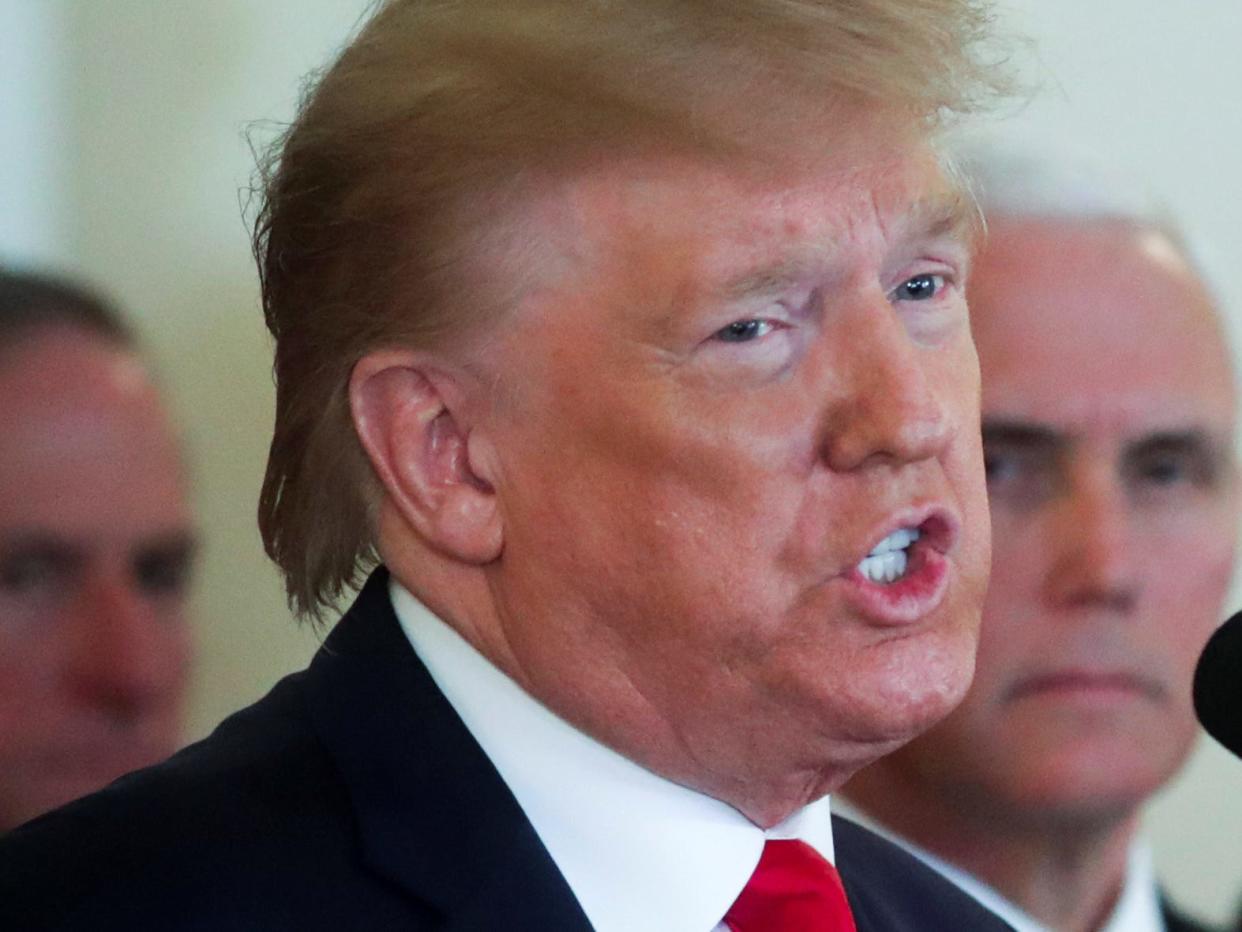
(1021, 177)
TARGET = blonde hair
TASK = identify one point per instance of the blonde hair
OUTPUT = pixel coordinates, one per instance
(415, 139)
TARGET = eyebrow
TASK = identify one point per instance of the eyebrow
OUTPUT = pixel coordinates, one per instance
(34, 545)
(180, 545)
(1041, 438)
(946, 214)
(1023, 434)
(950, 212)
(1193, 440)
(771, 279)
(27, 544)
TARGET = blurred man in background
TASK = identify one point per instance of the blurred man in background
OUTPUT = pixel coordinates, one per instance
(96, 547)
(1108, 427)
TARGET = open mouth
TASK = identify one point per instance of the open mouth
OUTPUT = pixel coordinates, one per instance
(904, 576)
(889, 560)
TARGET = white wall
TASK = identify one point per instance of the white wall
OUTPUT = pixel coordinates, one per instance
(122, 151)
(158, 96)
(34, 104)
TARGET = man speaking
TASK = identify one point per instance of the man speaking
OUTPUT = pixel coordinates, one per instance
(631, 338)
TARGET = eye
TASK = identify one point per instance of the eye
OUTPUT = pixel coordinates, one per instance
(164, 570)
(919, 288)
(1019, 477)
(1005, 468)
(744, 331)
(26, 572)
(1165, 470)
(1167, 466)
(38, 566)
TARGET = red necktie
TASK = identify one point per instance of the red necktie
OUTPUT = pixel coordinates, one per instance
(792, 890)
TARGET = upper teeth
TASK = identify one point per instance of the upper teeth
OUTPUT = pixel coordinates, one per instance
(887, 560)
(900, 539)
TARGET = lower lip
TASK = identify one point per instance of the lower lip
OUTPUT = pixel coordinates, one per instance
(908, 600)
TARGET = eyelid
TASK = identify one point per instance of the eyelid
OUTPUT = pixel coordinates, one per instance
(777, 310)
(1192, 465)
(950, 267)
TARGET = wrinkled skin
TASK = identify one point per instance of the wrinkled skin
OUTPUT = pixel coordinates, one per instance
(726, 392)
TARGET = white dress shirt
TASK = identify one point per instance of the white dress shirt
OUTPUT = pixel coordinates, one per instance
(1137, 909)
(638, 851)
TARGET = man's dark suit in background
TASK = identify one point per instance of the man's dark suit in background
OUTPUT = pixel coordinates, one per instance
(1177, 921)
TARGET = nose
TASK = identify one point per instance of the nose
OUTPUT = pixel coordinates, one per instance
(126, 656)
(1090, 526)
(889, 401)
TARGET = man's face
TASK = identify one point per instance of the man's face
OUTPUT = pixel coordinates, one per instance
(95, 549)
(1108, 414)
(731, 392)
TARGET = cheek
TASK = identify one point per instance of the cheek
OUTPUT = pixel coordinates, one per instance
(1010, 637)
(1186, 560)
(29, 667)
(1188, 582)
(1022, 553)
(32, 698)
(177, 653)
(958, 375)
(1013, 625)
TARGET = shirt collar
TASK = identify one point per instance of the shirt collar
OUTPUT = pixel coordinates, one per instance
(1137, 909)
(638, 851)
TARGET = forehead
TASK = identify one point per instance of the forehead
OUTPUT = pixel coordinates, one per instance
(1096, 326)
(87, 448)
(713, 219)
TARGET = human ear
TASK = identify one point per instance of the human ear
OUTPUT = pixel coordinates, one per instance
(410, 417)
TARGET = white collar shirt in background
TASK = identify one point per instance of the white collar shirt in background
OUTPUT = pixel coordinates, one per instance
(638, 851)
(1137, 909)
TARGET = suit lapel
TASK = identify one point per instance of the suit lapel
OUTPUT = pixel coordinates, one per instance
(434, 816)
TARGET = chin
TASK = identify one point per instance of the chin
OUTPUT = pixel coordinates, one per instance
(1103, 782)
(1102, 803)
(914, 684)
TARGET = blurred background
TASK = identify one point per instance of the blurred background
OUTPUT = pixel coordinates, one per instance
(125, 158)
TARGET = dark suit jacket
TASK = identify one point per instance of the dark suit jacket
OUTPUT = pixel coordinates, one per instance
(350, 797)
(1177, 921)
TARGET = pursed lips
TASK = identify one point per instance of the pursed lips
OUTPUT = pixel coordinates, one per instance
(1087, 683)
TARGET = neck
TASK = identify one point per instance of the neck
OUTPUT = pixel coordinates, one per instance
(1066, 872)
(603, 701)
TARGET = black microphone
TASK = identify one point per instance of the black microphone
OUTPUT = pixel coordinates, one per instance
(1218, 685)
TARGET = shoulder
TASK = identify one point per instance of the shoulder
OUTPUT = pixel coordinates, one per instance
(1177, 921)
(892, 891)
(240, 824)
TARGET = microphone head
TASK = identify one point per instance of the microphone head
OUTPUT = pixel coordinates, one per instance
(1218, 685)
